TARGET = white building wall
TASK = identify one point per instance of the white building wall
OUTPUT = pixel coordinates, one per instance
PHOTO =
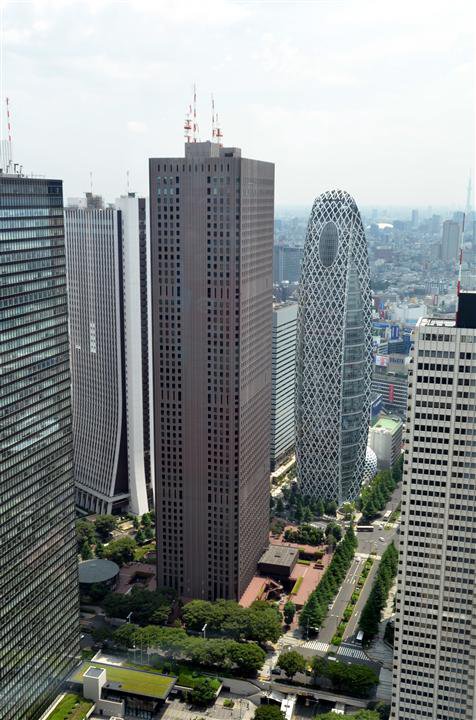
(138, 503)
(283, 380)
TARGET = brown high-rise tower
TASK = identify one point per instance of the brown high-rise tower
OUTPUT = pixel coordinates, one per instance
(211, 217)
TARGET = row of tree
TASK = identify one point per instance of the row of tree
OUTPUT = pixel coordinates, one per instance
(384, 578)
(377, 493)
(310, 535)
(356, 680)
(301, 508)
(315, 610)
(261, 621)
(175, 644)
(143, 606)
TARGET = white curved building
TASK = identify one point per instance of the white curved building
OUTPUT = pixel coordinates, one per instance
(370, 466)
(333, 351)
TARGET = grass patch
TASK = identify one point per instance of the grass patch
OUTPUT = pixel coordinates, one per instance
(143, 550)
(186, 676)
(72, 707)
(297, 585)
(304, 562)
(148, 683)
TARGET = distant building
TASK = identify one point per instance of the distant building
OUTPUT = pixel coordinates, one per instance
(435, 642)
(375, 407)
(435, 224)
(333, 351)
(415, 219)
(284, 380)
(393, 387)
(107, 291)
(39, 599)
(450, 241)
(287, 263)
(385, 439)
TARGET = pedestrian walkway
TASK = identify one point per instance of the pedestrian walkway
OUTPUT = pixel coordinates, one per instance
(351, 651)
(317, 645)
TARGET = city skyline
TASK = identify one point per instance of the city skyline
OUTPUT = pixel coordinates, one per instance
(337, 82)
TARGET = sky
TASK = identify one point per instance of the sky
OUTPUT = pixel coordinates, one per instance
(372, 96)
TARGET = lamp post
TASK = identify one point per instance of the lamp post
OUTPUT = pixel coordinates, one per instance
(204, 631)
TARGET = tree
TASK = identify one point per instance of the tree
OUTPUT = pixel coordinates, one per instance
(136, 522)
(381, 708)
(359, 715)
(149, 532)
(268, 712)
(85, 533)
(335, 530)
(292, 662)
(85, 551)
(289, 612)
(203, 691)
(104, 524)
(248, 657)
(99, 549)
(140, 537)
(279, 506)
(121, 551)
(146, 520)
(97, 592)
(319, 508)
(331, 507)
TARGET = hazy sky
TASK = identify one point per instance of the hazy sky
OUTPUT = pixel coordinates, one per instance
(374, 96)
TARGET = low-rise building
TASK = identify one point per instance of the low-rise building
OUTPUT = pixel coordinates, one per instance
(385, 439)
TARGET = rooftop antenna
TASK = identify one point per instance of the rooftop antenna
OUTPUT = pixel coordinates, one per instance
(218, 132)
(195, 124)
(188, 125)
(460, 268)
(213, 119)
(127, 181)
(91, 181)
(9, 132)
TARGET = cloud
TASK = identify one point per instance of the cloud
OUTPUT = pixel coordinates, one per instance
(136, 126)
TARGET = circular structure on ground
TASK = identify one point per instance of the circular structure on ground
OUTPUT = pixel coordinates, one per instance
(95, 572)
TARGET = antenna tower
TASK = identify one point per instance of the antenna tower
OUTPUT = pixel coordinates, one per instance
(188, 125)
(195, 124)
(217, 133)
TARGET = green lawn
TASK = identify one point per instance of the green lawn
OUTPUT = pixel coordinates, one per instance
(71, 707)
(135, 681)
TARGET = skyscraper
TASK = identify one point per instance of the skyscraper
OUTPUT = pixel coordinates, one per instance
(39, 601)
(212, 251)
(107, 293)
(333, 351)
(283, 380)
(450, 241)
(435, 634)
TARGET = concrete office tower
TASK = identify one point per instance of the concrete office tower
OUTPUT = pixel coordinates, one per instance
(287, 263)
(333, 351)
(212, 251)
(450, 241)
(435, 636)
(415, 219)
(283, 381)
(107, 293)
(39, 601)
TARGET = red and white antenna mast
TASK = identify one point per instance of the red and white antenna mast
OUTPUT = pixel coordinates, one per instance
(195, 124)
(9, 132)
(217, 134)
(460, 268)
(188, 125)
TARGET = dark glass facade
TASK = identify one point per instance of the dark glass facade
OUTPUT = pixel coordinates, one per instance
(39, 609)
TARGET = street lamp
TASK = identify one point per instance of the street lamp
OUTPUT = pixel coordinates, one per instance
(128, 618)
(204, 629)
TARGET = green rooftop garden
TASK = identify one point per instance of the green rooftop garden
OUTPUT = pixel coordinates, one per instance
(71, 707)
(137, 682)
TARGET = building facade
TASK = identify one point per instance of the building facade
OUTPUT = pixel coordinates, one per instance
(333, 351)
(39, 600)
(107, 296)
(450, 241)
(385, 439)
(435, 633)
(287, 261)
(283, 381)
(393, 388)
(212, 243)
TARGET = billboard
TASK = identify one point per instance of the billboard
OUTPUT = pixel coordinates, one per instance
(391, 393)
(381, 360)
(395, 332)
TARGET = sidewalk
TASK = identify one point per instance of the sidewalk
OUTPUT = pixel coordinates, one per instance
(379, 650)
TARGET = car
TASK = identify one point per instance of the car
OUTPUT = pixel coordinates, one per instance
(382, 539)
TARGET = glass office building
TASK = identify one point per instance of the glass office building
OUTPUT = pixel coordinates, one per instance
(333, 371)
(39, 608)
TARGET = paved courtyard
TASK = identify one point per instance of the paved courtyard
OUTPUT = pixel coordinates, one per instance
(176, 710)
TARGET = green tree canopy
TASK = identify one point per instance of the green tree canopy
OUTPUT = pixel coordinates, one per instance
(121, 551)
(291, 662)
(103, 525)
(268, 712)
(289, 612)
(203, 691)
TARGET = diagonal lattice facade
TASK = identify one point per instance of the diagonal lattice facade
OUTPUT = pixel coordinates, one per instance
(333, 351)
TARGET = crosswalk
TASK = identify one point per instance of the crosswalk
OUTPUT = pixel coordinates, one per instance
(351, 652)
(317, 645)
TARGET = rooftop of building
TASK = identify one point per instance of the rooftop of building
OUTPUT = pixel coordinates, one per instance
(128, 680)
(279, 555)
(97, 571)
(386, 423)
